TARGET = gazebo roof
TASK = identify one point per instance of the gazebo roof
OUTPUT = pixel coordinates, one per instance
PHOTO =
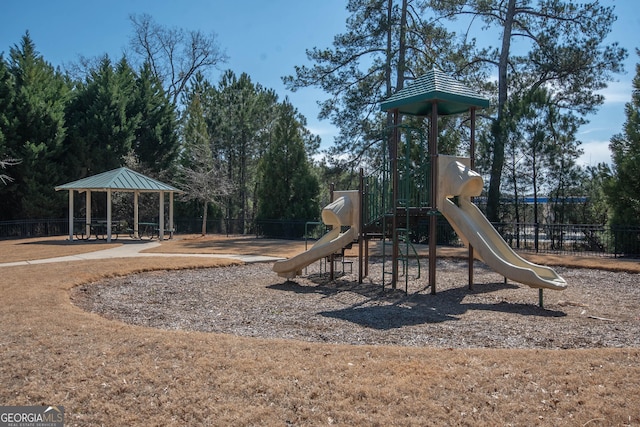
(122, 179)
(452, 96)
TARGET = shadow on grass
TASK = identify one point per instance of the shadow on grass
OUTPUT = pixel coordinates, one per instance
(236, 245)
(392, 309)
(92, 241)
(207, 241)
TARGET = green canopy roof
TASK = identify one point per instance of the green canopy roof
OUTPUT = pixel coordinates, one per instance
(452, 96)
(122, 179)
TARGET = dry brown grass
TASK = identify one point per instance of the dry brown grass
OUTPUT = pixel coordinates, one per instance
(239, 245)
(48, 247)
(109, 373)
(246, 245)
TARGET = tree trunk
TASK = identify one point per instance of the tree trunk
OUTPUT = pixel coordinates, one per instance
(536, 225)
(402, 46)
(204, 218)
(387, 77)
(243, 183)
(499, 128)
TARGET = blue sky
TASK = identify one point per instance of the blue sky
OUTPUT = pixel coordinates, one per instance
(265, 39)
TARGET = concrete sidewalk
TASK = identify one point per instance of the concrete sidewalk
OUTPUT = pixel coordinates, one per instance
(135, 250)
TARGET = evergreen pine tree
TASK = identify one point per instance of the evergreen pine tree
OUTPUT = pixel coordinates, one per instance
(288, 189)
(156, 141)
(201, 174)
(34, 132)
(103, 119)
(623, 189)
(6, 98)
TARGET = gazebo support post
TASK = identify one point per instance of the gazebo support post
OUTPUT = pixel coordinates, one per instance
(171, 215)
(108, 215)
(87, 215)
(136, 214)
(161, 217)
(71, 215)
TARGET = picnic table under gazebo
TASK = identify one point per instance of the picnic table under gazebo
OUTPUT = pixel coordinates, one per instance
(119, 180)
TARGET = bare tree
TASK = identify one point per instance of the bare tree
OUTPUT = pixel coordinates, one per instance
(204, 181)
(3, 164)
(174, 54)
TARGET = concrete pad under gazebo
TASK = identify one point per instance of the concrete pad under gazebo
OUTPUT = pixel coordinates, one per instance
(120, 180)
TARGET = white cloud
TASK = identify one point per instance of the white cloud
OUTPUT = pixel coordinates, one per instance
(617, 92)
(586, 130)
(322, 158)
(322, 130)
(326, 132)
(595, 152)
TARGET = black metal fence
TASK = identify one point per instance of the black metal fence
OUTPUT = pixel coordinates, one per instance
(276, 229)
(33, 228)
(60, 227)
(567, 239)
(214, 226)
(572, 239)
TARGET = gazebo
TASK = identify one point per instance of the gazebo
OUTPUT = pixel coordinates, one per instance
(120, 180)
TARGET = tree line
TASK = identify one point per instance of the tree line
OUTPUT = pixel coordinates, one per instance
(243, 153)
(216, 142)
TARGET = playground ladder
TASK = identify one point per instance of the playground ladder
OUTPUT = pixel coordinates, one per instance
(412, 194)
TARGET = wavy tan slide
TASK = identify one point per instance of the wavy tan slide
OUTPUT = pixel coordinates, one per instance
(457, 179)
(342, 212)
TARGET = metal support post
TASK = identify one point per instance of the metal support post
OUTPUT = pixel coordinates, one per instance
(433, 219)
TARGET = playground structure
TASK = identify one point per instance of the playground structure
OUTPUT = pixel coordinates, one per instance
(413, 186)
